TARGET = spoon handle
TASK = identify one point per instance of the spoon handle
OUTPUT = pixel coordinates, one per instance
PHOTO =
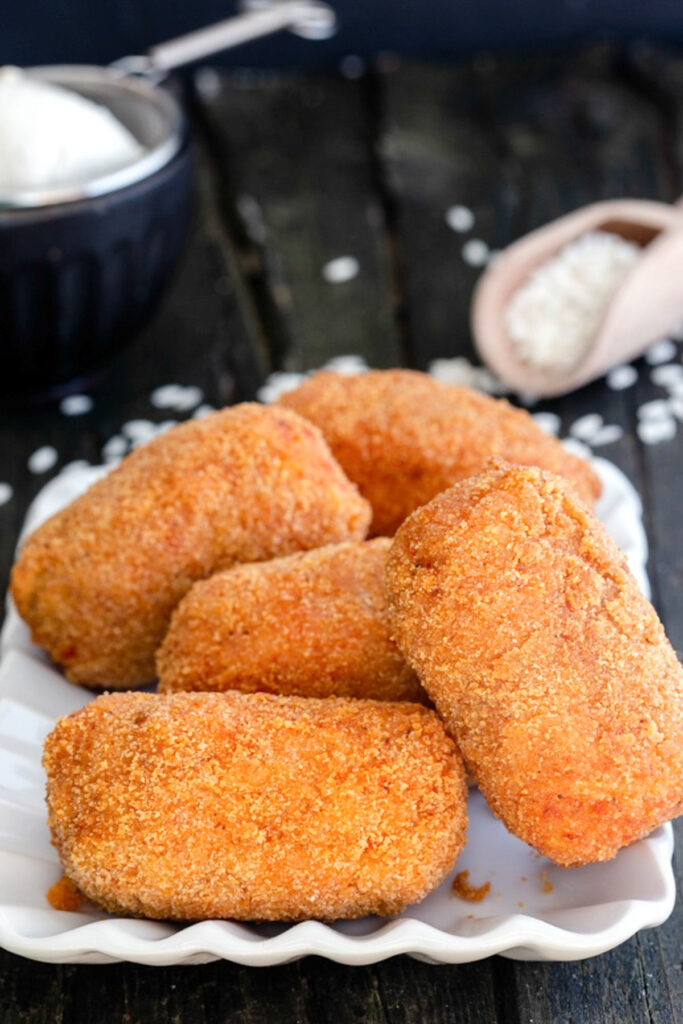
(311, 19)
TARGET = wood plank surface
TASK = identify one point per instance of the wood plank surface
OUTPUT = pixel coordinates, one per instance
(295, 171)
(297, 177)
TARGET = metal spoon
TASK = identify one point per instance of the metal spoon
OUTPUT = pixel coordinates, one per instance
(646, 306)
(131, 89)
(311, 19)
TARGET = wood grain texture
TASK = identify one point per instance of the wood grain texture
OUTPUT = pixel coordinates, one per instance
(298, 179)
(312, 991)
(295, 171)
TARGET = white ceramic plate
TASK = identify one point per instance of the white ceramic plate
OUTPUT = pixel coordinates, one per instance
(534, 911)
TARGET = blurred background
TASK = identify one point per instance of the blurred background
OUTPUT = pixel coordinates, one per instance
(80, 31)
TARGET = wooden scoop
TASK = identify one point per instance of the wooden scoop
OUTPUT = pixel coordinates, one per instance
(647, 305)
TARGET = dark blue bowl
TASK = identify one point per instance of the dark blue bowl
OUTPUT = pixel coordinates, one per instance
(80, 279)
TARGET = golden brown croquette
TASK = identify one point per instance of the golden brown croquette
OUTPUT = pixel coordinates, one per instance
(548, 666)
(314, 624)
(97, 583)
(253, 806)
(403, 437)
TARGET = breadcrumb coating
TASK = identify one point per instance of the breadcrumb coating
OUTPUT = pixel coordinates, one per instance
(253, 806)
(548, 666)
(403, 437)
(97, 583)
(313, 624)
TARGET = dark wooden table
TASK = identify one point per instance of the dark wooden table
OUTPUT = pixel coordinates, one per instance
(295, 172)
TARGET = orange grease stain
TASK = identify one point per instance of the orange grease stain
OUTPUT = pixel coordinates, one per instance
(547, 884)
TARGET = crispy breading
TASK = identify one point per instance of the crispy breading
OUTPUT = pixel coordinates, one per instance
(404, 437)
(549, 667)
(97, 583)
(313, 624)
(254, 806)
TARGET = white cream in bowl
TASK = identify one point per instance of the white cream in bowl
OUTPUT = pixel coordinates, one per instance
(50, 136)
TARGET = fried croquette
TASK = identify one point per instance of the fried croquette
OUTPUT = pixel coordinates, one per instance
(548, 666)
(313, 624)
(253, 806)
(97, 583)
(403, 437)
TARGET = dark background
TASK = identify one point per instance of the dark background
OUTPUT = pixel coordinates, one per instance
(83, 31)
